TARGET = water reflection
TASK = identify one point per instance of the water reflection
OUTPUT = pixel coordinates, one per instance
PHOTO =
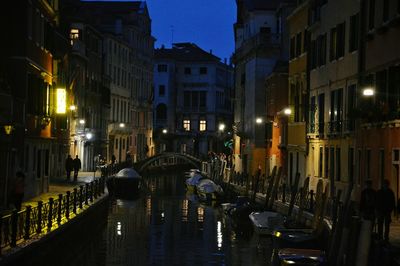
(166, 226)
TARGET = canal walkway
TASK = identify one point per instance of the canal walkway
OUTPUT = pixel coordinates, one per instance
(61, 185)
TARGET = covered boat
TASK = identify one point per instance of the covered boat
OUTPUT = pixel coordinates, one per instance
(294, 238)
(290, 256)
(208, 190)
(193, 181)
(266, 222)
(125, 184)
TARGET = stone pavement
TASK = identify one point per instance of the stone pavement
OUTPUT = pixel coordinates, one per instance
(61, 185)
(394, 237)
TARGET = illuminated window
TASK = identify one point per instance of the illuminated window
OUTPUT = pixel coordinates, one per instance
(74, 35)
(186, 125)
(203, 125)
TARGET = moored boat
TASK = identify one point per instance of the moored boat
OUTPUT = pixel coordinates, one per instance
(266, 222)
(207, 190)
(290, 256)
(125, 184)
(193, 181)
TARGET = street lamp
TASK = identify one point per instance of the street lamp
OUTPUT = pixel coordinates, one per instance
(82, 121)
(259, 120)
(368, 92)
(221, 127)
(164, 131)
(89, 136)
(121, 125)
(72, 108)
(287, 111)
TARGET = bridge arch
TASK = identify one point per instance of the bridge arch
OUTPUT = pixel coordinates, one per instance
(195, 162)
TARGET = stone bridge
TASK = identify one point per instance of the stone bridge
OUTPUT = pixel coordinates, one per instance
(167, 159)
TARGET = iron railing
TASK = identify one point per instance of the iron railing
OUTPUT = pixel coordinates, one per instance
(46, 216)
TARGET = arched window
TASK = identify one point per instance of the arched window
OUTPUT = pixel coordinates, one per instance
(161, 111)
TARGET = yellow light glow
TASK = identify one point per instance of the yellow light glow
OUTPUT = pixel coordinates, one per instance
(61, 101)
(72, 108)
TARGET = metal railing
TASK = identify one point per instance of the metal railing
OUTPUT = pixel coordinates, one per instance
(46, 216)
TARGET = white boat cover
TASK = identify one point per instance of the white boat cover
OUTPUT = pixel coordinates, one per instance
(194, 180)
(208, 186)
(128, 173)
(268, 220)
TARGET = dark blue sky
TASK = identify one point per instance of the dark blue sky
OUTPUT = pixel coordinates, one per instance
(207, 23)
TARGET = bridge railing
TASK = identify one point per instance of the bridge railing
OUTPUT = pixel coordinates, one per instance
(19, 226)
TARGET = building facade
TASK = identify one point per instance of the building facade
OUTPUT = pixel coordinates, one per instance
(333, 62)
(298, 91)
(260, 32)
(193, 91)
(378, 136)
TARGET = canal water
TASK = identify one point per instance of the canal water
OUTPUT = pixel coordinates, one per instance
(168, 226)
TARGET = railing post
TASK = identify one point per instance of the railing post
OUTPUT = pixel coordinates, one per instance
(311, 200)
(27, 222)
(14, 227)
(75, 200)
(96, 188)
(60, 196)
(284, 192)
(39, 219)
(50, 214)
(87, 193)
(91, 191)
(80, 196)
(67, 205)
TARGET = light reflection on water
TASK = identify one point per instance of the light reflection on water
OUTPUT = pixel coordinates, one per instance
(168, 227)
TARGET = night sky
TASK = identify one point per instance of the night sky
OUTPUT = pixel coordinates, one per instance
(208, 23)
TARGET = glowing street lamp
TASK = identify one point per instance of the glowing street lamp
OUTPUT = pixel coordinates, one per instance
(121, 125)
(89, 136)
(72, 108)
(259, 120)
(368, 92)
(221, 127)
(287, 111)
(82, 121)
(164, 131)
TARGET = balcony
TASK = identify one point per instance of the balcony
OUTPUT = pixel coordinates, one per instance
(260, 41)
(330, 129)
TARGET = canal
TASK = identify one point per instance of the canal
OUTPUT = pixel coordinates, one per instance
(167, 226)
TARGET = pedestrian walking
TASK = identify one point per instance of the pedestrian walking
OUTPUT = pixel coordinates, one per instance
(368, 202)
(384, 208)
(77, 167)
(19, 189)
(69, 166)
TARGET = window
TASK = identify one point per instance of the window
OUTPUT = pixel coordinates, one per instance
(332, 164)
(162, 68)
(321, 49)
(350, 164)
(313, 54)
(186, 125)
(161, 90)
(326, 164)
(74, 35)
(351, 104)
(187, 71)
(336, 110)
(353, 40)
(203, 97)
(320, 161)
(359, 166)
(338, 164)
(371, 18)
(292, 47)
(341, 38)
(333, 42)
(368, 164)
(186, 99)
(298, 44)
(305, 41)
(321, 113)
(161, 112)
(203, 125)
(203, 70)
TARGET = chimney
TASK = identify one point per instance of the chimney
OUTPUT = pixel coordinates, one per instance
(225, 60)
(210, 51)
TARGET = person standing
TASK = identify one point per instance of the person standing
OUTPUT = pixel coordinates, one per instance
(368, 202)
(19, 189)
(77, 167)
(385, 206)
(69, 166)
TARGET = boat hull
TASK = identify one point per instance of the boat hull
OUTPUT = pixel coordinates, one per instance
(264, 223)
